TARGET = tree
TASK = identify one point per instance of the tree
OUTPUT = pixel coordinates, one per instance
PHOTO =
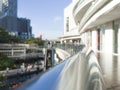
(15, 39)
(39, 42)
(6, 37)
(30, 40)
(5, 62)
(33, 40)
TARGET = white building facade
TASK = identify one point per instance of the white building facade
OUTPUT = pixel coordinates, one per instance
(95, 23)
(71, 34)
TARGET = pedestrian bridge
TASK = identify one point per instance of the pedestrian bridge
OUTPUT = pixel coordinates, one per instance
(21, 51)
(80, 71)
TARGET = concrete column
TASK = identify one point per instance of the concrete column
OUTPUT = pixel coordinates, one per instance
(61, 41)
(102, 41)
(24, 52)
(108, 38)
(119, 41)
(94, 40)
(84, 38)
(12, 52)
(65, 41)
(53, 59)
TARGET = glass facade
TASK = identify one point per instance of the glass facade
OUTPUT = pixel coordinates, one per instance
(8, 8)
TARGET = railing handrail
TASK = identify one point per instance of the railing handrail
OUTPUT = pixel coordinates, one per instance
(70, 48)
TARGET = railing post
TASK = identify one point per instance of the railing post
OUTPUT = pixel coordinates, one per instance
(24, 51)
(12, 52)
(53, 60)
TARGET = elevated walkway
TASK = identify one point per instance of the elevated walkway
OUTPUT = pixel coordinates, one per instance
(79, 72)
(21, 51)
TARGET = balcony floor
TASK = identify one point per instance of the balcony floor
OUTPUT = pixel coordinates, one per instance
(110, 65)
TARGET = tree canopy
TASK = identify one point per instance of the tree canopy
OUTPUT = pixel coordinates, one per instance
(5, 62)
(36, 41)
(6, 37)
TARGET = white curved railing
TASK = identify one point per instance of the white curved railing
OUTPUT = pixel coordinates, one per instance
(81, 72)
(62, 54)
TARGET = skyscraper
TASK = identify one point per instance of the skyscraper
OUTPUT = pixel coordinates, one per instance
(9, 20)
(8, 8)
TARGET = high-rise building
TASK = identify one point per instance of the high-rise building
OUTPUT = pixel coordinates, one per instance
(24, 28)
(9, 20)
(8, 8)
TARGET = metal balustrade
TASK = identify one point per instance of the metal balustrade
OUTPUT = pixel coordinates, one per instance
(70, 48)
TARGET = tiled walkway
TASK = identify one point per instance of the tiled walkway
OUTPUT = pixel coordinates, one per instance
(110, 65)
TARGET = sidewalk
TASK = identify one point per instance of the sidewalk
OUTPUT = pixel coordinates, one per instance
(15, 71)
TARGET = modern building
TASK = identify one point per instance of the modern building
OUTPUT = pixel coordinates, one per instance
(8, 8)
(24, 28)
(71, 34)
(10, 21)
(95, 22)
(17, 26)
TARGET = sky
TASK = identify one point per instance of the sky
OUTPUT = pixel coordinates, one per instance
(46, 16)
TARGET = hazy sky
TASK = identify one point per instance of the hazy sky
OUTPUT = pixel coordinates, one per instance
(46, 16)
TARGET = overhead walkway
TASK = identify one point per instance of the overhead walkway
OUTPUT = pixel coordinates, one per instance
(21, 51)
(80, 71)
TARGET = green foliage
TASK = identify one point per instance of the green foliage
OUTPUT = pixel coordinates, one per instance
(31, 40)
(15, 39)
(36, 41)
(39, 42)
(5, 37)
(2, 77)
(1, 83)
(5, 62)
